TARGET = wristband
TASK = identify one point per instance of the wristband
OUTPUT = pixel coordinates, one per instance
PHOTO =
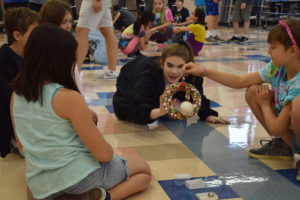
(203, 74)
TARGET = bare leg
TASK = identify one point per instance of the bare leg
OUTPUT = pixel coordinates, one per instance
(246, 27)
(236, 27)
(215, 22)
(250, 97)
(83, 44)
(139, 179)
(295, 118)
(210, 22)
(111, 46)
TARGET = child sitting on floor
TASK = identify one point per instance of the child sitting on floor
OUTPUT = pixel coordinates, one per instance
(65, 152)
(18, 24)
(196, 31)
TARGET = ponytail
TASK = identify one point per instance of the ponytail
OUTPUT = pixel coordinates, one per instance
(137, 26)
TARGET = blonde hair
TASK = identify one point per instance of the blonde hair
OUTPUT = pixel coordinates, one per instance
(163, 13)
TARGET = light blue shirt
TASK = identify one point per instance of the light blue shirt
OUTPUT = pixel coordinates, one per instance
(56, 157)
(283, 91)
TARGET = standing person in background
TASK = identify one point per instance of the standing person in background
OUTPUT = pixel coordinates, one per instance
(122, 18)
(241, 11)
(36, 4)
(212, 20)
(95, 14)
(200, 4)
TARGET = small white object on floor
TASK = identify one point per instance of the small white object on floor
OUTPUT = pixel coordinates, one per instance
(195, 184)
(296, 159)
(187, 108)
(153, 125)
(207, 196)
(192, 120)
(183, 176)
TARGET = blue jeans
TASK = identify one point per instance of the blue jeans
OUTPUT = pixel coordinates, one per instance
(110, 174)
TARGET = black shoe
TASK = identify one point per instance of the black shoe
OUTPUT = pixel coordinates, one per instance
(134, 55)
(234, 39)
(243, 39)
(217, 38)
(274, 149)
(92, 47)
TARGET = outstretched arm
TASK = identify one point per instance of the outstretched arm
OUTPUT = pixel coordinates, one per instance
(178, 29)
(226, 79)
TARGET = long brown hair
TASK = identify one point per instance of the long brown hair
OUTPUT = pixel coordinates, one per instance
(279, 34)
(53, 11)
(49, 56)
(163, 13)
(180, 49)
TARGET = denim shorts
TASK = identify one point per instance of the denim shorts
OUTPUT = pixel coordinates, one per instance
(295, 144)
(212, 8)
(106, 177)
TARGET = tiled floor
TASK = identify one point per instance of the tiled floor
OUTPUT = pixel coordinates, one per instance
(215, 153)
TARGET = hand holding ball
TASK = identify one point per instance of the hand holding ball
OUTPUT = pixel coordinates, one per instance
(187, 109)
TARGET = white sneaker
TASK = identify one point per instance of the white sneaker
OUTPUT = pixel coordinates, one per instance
(107, 75)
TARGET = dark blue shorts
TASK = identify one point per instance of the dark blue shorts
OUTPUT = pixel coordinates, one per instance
(211, 8)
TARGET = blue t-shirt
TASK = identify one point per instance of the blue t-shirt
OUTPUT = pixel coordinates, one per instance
(199, 2)
(283, 91)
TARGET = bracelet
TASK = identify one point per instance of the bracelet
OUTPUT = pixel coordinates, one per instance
(203, 74)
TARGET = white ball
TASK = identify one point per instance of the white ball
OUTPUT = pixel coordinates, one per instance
(186, 108)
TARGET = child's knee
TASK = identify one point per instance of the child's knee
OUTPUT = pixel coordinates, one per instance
(295, 108)
(146, 168)
(250, 93)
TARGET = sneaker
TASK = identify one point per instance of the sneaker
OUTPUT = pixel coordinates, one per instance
(94, 194)
(107, 75)
(217, 38)
(298, 170)
(243, 39)
(274, 149)
(234, 39)
(92, 46)
(162, 45)
(211, 39)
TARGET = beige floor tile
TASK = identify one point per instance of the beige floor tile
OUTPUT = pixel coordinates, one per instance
(153, 192)
(164, 152)
(12, 178)
(166, 169)
(142, 138)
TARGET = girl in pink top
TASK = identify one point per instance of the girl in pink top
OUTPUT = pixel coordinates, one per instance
(162, 22)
